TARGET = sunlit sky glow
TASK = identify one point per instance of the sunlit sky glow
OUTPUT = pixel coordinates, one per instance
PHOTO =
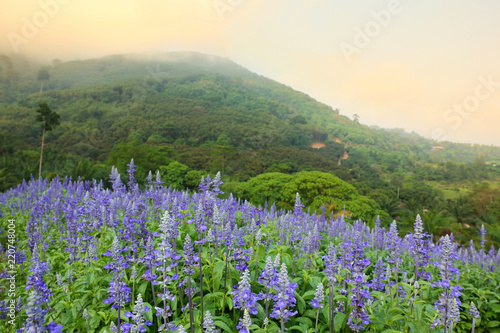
(421, 66)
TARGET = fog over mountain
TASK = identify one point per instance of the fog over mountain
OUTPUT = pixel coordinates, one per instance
(427, 67)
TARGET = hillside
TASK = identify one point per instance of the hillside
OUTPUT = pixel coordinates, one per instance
(187, 113)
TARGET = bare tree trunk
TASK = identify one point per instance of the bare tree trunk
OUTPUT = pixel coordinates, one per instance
(41, 154)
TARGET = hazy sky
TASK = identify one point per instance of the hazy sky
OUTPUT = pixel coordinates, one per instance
(427, 66)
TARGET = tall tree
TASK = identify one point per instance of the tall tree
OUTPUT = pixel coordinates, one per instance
(49, 120)
(43, 75)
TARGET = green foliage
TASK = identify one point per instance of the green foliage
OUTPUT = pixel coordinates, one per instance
(146, 157)
(43, 74)
(174, 175)
(48, 117)
(266, 187)
(316, 189)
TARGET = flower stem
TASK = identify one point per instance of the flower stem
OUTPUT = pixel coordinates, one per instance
(316, 326)
(191, 318)
(201, 279)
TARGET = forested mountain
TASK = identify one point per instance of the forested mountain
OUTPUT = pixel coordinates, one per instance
(186, 114)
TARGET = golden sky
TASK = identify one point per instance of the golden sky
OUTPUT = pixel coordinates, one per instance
(429, 67)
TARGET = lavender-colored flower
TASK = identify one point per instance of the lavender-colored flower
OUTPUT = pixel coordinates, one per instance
(133, 273)
(284, 297)
(358, 316)
(208, 323)
(277, 261)
(445, 304)
(378, 241)
(113, 328)
(378, 276)
(158, 182)
(473, 312)
(131, 179)
(35, 280)
(319, 297)
(34, 312)
(3, 310)
(165, 313)
(244, 323)
(19, 304)
(268, 275)
(419, 251)
(20, 256)
(118, 263)
(244, 298)
(190, 258)
(53, 328)
(241, 256)
(331, 265)
(150, 260)
(216, 183)
(138, 316)
(482, 232)
(119, 292)
(116, 180)
(85, 314)
(454, 312)
(297, 208)
(393, 244)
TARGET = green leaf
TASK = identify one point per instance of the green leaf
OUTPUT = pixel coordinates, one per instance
(213, 295)
(493, 323)
(395, 318)
(218, 273)
(142, 288)
(311, 314)
(378, 295)
(296, 328)
(314, 281)
(229, 302)
(262, 252)
(103, 315)
(309, 294)
(149, 313)
(396, 310)
(222, 325)
(340, 318)
(419, 326)
(301, 305)
(224, 319)
(338, 297)
(305, 320)
(94, 322)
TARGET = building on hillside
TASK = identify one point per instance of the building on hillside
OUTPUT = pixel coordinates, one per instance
(317, 145)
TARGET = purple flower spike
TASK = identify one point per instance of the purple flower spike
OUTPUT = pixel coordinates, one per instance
(119, 292)
(190, 258)
(449, 302)
(319, 297)
(244, 298)
(138, 316)
(284, 298)
(208, 323)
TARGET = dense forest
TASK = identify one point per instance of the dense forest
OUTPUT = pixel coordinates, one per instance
(184, 115)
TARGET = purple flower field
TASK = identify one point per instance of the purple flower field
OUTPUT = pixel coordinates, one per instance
(81, 257)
